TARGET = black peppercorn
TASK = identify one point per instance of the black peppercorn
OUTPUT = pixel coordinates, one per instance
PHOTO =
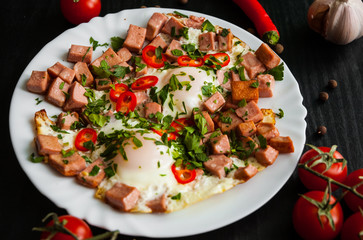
(279, 48)
(321, 130)
(183, 1)
(323, 96)
(332, 83)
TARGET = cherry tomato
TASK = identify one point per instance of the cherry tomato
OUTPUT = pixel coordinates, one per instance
(352, 227)
(221, 59)
(79, 11)
(149, 56)
(144, 83)
(179, 124)
(83, 136)
(185, 61)
(353, 201)
(306, 219)
(117, 91)
(160, 132)
(312, 182)
(126, 102)
(75, 225)
(182, 174)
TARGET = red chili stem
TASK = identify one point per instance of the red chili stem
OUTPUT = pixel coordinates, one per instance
(266, 29)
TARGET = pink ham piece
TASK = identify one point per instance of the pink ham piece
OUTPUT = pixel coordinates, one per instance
(65, 120)
(225, 42)
(67, 166)
(124, 54)
(266, 85)
(47, 144)
(122, 197)
(77, 99)
(152, 108)
(252, 65)
(79, 53)
(216, 165)
(67, 75)
(214, 102)
(141, 97)
(207, 41)
(210, 123)
(172, 27)
(158, 205)
(159, 42)
(282, 144)
(247, 128)
(109, 56)
(267, 130)
(209, 135)
(266, 156)
(103, 83)
(224, 79)
(154, 25)
(194, 22)
(225, 125)
(92, 175)
(250, 112)
(174, 45)
(38, 82)
(267, 56)
(57, 92)
(220, 144)
(245, 173)
(135, 38)
(83, 74)
(55, 70)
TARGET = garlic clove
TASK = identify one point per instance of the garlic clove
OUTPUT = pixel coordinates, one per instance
(338, 21)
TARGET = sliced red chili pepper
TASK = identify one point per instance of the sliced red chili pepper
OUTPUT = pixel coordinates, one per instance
(221, 59)
(83, 136)
(126, 102)
(182, 174)
(185, 61)
(145, 82)
(149, 56)
(179, 124)
(117, 91)
(160, 132)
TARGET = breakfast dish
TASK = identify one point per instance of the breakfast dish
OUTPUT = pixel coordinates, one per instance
(171, 112)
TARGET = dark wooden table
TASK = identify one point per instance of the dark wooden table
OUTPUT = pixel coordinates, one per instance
(28, 25)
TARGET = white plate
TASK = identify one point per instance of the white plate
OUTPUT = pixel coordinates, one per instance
(204, 216)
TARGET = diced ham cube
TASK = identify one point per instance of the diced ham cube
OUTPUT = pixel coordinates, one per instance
(267, 130)
(172, 27)
(109, 56)
(141, 71)
(194, 22)
(282, 144)
(47, 144)
(245, 173)
(67, 75)
(220, 144)
(224, 79)
(266, 156)
(216, 165)
(38, 82)
(92, 175)
(77, 99)
(266, 85)
(248, 143)
(252, 65)
(210, 123)
(242, 90)
(55, 70)
(210, 135)
(103, 83)
(154, 25)
(250, 112)
(83, 74)
(227, 121)
(124, 54)
(267, 56)
(247, 128)
(229, 104)
(158, 205)
(135, 38)
(65, 120)
(141, 97)
(159, 42)
(214, 102)
(207, 41)
(57, 92)
(67, 166)
(152, 108)
(122, 197)
(236, 77)
(78, 53)
(174, 45)
(225, 43)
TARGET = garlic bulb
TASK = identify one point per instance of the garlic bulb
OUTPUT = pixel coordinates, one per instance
(338, 21)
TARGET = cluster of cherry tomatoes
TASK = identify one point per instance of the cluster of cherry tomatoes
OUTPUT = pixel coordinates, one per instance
(309, 219)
